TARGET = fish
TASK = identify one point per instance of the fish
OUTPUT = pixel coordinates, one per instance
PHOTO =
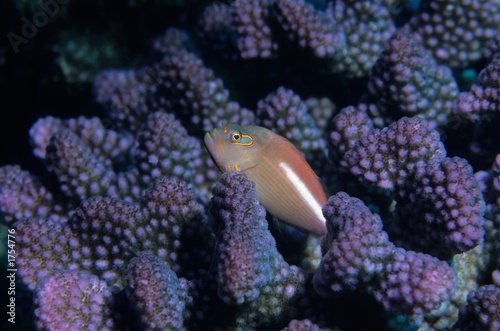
(285, 183)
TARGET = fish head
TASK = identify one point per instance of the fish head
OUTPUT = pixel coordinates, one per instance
(232, 147)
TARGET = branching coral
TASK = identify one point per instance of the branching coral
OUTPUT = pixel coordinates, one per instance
(359, 256)
(129, 224)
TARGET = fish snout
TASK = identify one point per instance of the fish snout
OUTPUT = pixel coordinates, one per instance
(209, 142)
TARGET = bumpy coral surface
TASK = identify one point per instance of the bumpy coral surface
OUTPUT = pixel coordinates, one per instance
(158, 295)
(407, 81)
(359, 256)
(122, 221)
(73, 300)
(390, 156)
(482, 102)
(482, 311)
(248, 262)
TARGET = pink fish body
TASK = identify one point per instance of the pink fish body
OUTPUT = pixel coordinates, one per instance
(286, 185)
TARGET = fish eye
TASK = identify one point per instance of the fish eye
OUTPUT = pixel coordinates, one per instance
(235, 136)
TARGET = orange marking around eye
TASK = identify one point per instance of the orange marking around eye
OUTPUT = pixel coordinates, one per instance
(243, 144)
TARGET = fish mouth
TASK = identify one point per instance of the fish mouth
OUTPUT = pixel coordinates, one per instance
(209, 142)
(213, 146)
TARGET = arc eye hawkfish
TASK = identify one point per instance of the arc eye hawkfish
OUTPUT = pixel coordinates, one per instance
(286, 185)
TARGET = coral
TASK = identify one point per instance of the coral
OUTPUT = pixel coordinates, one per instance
(311, 29)
(126, 201)
(390, 156)
(482, 102)
(215, 31)
(192, 90)
(158, 295)
(164, 148)
(22, 195)
(124, 95)
(109, 233)
(171, 41)
(250, 19)
(73, 300)
(104, 234)
(304, 325)
(243, 269)
(456, 32)
(81, 173)
(439, 207)
(322, 110)
(493, 48)
(345, 129)
(47, 245)
(249, 270)
(359, 256)
(482, 311)
(367, 25)
(407, 81)
(443, 210)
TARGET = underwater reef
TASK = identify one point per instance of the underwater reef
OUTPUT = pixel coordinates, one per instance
(117, 217)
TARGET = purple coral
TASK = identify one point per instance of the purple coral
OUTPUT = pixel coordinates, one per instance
(354, 249)
(72, 300)
(359, 256)
(108, 145)
(83, 154)
(82, 173)
(172, 40)
(175, 222)
(367, 25)
(194, 93)
(441, 212)
(214, 30)
(164, 148)
(311, 29)
(47, 245)
(482, 102)
(456, 32)
(304, 325)
(105, 233)
(242, 270)
(109, 233)
(415, 283)
(407, 81)
(388, 157)
(158, 296)
(482, 311)
(124, 95)
(493, 47)
(346, 128)
(322, 110)
(439, 207)
(22, 195)
(249, 269)
(250, 19)
(286, 113)
(112, 231)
